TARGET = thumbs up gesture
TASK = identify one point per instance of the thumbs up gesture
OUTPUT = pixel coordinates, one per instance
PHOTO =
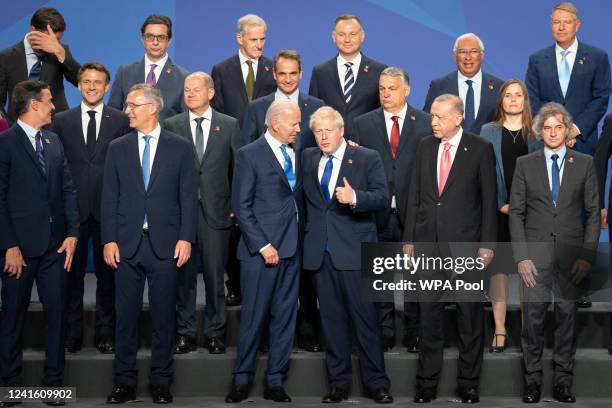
(346, 194)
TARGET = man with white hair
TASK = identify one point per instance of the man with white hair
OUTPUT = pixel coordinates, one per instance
(477, 89)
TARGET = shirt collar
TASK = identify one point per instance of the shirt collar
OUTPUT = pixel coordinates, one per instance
(274, 144)
(243, 58)
(339, 153)
(356, 61)
(401, 113)
(28, 48)
(476, 78)
(573, 48)
(548, 153)
(292, 97)
(154, 133)
(160, 64)
(206, 115)
(29, 130)
(97, 108)
(455, 140)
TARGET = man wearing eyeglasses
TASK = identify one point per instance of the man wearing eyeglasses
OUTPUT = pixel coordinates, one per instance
(477, 89)
(155, 69)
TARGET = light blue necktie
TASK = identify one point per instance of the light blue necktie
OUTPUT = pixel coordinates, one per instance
(288, 167)
(146, 167)
(556, 180)
(327, 172)
(564, 72)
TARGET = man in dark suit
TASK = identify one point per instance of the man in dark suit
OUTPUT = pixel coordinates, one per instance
(149, 219)
(394, 131)
(554, 200)
(349, 81)
(39, 225)
(453, 198)
(247, 75)
(40, 56)
(215, 138)
(156, 69)
(477, 89)
(574, 74)
(343, 187)
(265, 198)
(85, 132)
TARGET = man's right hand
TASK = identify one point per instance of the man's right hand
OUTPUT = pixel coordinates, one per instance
(270, 255)
(528, 272)
(13, 262)
(111, 255)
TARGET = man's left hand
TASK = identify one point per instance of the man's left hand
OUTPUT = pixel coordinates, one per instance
(580, 270)
(47, 41)
(182, 252)
(486, 255)
(68, 246)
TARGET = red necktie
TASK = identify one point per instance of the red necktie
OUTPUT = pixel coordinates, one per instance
(445, 166)
(394, 135)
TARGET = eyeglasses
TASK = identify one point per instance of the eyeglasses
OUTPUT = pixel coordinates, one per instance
(472, 52)
(152, 37)
(132, 106)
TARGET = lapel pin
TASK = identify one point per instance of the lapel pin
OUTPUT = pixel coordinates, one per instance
(47, 140)
(570, 159)
(217, 129)
(366, 68)
(350, 161)
(491, 87)
(266, 68)
(581, 61)
(464, 149)
(412, 118)
(168, 71)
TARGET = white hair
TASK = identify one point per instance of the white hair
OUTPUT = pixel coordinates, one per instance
(468, 35)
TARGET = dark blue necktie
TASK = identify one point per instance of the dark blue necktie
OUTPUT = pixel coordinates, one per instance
(35, 70)
(468, 122)
(40, 153)
(288, 167)
(556, 182)
(327, 172)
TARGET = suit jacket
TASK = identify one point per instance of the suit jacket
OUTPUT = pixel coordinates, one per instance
(602, 154)
(342, 227)
(14, 69)
(215, 170)
(492, 132)
(170, 202)
(587, 93)
(370, 131)
(230, 91)
(170, 83)
(35, 210)
(263, 202)
(325, 84)
(467, 209)
(255, 117)
(489, 92)
(87, 172)
(533, 216)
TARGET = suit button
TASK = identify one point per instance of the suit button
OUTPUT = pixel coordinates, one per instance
(50, 219)
(438, 204)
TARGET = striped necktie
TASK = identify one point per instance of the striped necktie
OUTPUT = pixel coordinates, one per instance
(349, 81)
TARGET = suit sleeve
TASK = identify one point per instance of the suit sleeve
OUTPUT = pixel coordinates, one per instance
(70, 67)
(414, 197)
(110, 197)
(249, 125)
(488, 188)
(357, 130)
(116, 97)
(587, 119)
(189, 196)
(591, 209)
(376, 197)
(313, 89)
(430, 97)
(532, 80)
(8, 238)
(71, 206)
(602, 154)
(217, 101)
(236, 143)
(518, 211)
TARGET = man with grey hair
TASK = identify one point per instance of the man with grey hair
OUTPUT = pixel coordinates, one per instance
(149, 219)
(477, 89)
(394, 130)
(560, 221)
(265, 198)
(248, 74)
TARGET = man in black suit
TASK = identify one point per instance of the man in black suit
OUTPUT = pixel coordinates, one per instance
(39, 226)
(349, 81)
(40, 56)
(394, 131)
(453, 198)
(156, 69)
(247, 75)
(477, 89)
(149, 219)
(215, 138)
(85, 132)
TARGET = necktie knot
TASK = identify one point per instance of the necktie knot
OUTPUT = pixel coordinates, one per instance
(348, 65)
(153, 66)
(446, 146)
(147, 138)
(554, 157)
(469, 82)
(199, 121)
(565, 53)
(92, 114)
(395, 119)
(249, 63)
(37, 137)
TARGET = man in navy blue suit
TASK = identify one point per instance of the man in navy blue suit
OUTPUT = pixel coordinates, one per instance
(156, 69)
(149, 220)
(343, 188)
(39, 225)
(574, 74)
(265, 199)
(349, 81)
(477, 89)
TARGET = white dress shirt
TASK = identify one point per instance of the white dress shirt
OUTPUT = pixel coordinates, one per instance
(389, 124)
(85, 118)
(337, 163)
(571, 57)
(207, 115)
(454, 142)
(275, 146)
(30, 132)
(31, 57)
(560, 162)
(245, 67)
(294, 97)
(342, 68)
(158, 69)
(476, 85)
(152, 145)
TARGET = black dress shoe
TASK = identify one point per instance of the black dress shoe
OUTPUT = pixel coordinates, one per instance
(160, 394)
(233, 299)
(411, 343)
(563, 393)
(532, 394)
(73, 345)
(335, 395)
(185, 344)
(310, 344)
(121, 394)
(105, 345)
(388, 343)
(424, 395)
(276, 394)
(469, 396)
(55, 403)
(584, 303)
(216, 346)
(381, 396)
(238, 393)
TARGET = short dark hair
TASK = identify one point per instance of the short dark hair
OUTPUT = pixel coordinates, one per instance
(48, 16)
(157, 19)
(95, 65)
(344, 17)
(288, 54)
(24, 92)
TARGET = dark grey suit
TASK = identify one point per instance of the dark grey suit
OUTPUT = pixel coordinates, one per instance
(557, 236)
(214, 186)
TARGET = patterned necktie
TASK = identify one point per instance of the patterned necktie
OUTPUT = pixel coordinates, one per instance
(445, 166)
(151, 80)
(250, 81)
(564, 72)
(327, 172)
(556, 179)
(349, 81)
(40, 153)
(395, 135)
(199, 142)
(91, 133)
(288, 167)
(35, 70)
(470, 115)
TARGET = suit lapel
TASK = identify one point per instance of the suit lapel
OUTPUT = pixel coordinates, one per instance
(166, 71)
(19, 56)
(382, 133)
(271, 157)
(542, 171)
(579, 66)
(77, 124)
(332, 72)
(25, 142)
(314, 171)
(139, 75)
(433, 160)
(406, 130)
(213, 136)
(262, 69)
(185, 131)
(135, 159)
(235, 75)
(458, 162)
(551, 61)
(568, 174)
(346, 170)
(488, 94)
